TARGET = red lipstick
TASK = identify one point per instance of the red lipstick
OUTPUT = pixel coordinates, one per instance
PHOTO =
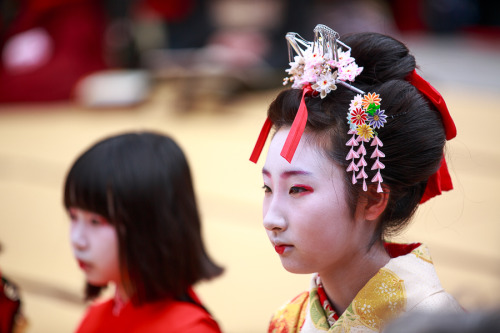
(280, 248)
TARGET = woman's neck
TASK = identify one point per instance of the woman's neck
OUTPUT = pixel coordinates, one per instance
(341, 284)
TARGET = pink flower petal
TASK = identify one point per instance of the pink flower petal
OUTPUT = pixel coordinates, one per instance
(351, 131)
(377, 141)
(354, 181)
(362, 174)
(361, 150)
(379, 188)
(362, 162)
(352, 154)
(352, 167)
(377, 178)
(352, 142)
(377, 153)
(378, 165)
(365, 188)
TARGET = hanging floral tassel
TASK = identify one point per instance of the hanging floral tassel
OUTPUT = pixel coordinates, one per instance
(364, 115)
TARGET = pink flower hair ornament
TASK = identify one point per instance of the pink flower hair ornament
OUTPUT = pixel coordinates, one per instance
(317, 68)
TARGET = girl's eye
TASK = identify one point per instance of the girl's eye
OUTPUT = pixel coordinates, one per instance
(300, 189)
(72, 215)
(95, 222)
(267, 189)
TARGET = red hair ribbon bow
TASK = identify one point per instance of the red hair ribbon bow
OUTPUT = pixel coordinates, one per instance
(441, 180)
(293, 138)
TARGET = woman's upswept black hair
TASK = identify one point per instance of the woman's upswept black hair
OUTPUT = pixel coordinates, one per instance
(141, 183)
(413, 136)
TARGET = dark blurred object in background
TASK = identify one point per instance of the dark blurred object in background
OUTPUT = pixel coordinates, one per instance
(69, 49)
(448, 16)
(478, 321)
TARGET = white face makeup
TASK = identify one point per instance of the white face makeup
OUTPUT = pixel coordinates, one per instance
(306, 215)
(95, 247)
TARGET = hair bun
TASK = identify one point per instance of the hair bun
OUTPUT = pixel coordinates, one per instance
(382, 57)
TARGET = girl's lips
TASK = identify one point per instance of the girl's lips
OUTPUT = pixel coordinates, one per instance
(280, 249)
(83, 265)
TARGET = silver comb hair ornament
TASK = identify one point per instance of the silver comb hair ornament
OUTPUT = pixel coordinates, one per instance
(327, 39)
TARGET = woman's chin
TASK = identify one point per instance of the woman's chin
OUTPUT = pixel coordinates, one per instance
(296, 269)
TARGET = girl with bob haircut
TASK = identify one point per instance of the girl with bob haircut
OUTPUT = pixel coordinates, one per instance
(358, 145)
(135, 223)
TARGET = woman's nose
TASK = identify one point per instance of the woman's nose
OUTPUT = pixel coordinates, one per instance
(274, 219)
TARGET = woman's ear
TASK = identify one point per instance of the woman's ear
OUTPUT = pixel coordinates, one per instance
(372, 204)
(377, 202)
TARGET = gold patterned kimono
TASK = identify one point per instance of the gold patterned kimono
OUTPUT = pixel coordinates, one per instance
(407, 283)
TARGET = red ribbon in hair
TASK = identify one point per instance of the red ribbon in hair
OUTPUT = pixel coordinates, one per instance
(261, 140)
(298, 126)
(293, 138)
(441, 180)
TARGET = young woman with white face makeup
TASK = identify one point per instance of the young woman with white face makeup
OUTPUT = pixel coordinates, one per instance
(358, 145)
(306, 216)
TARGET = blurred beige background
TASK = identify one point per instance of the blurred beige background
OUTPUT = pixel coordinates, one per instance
(39, 142)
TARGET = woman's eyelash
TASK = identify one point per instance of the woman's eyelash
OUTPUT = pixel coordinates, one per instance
(266, 188)
(296, 189)
(300, 189)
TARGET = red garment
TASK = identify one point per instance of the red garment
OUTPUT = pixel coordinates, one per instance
(76, 31)
(167, 316)
(9, 305)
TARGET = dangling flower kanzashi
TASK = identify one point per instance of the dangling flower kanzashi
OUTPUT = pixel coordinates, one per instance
(363, 117)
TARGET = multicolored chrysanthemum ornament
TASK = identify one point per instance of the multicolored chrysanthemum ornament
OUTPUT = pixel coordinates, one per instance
(363, 117)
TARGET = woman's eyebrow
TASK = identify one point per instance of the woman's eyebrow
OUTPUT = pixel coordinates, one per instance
(287, 174)
(290, 173)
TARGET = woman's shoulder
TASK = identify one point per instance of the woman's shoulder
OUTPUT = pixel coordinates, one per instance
(441, 301)
(416, 277)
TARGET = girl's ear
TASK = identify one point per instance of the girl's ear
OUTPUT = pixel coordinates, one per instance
(372, 203)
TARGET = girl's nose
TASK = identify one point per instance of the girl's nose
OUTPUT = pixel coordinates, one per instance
(77, 235)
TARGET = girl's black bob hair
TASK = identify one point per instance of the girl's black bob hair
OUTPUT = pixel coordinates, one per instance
(141, 183)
